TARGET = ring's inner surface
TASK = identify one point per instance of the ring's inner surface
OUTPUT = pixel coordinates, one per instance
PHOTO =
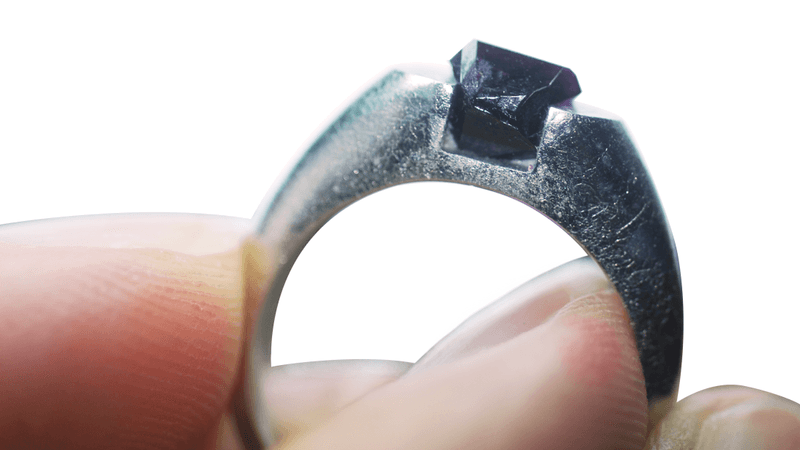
(395, 272)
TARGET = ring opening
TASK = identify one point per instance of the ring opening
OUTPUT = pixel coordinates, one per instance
(396, 271)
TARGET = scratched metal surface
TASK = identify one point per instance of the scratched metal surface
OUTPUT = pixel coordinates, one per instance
(586, 176)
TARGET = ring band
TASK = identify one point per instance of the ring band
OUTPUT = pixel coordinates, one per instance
(503, 122)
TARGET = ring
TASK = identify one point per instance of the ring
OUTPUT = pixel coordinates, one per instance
(501, 121)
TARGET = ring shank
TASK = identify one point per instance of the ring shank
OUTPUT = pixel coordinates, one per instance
(587, 177)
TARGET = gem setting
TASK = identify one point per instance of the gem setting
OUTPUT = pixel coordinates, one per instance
(501, 101)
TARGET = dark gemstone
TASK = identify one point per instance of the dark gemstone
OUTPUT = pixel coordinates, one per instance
(502, 99)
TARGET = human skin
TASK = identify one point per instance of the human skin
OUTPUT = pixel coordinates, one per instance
(126, 332)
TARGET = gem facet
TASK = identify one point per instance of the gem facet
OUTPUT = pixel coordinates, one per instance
(502, 99)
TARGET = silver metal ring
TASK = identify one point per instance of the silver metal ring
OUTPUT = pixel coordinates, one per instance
(503, 122)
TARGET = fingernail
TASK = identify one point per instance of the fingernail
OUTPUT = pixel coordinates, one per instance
(750, 425)
(521, 310)
(302, 395)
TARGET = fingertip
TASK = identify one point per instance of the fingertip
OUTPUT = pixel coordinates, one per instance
(301, 396)
(117, 345)
(517, 312)
(734, 417)
(601, 363)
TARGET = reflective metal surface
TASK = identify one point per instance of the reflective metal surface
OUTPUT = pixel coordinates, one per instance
(586, 176)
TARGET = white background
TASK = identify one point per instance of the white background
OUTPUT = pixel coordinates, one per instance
(197, 106)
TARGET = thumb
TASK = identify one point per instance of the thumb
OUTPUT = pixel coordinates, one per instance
(574, 381)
